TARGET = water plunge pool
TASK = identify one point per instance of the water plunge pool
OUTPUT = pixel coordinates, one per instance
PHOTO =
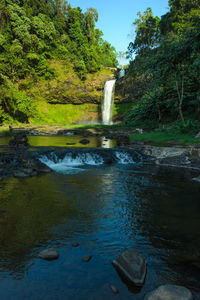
(105, 209)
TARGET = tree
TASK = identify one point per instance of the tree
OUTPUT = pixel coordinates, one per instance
(147, 33)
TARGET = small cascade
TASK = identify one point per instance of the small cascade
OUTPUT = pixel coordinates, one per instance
(71, 163)
(124, 158)
(75, 162)
(108, 102)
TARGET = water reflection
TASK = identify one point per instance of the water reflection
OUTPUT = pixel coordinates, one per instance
(105, 210)
(65, 141)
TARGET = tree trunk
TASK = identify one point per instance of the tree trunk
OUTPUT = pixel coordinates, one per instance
(180, 98)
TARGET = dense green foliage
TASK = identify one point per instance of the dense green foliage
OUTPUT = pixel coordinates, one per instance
(165, 70)
(34, 31)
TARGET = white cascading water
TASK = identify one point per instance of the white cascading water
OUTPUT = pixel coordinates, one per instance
(121, 73)
(107, 102)
(70, 164)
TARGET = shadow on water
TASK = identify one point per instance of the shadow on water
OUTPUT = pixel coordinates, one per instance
(105, 209)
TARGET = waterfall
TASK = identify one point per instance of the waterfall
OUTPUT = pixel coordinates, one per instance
(107, 102)
(121, 73)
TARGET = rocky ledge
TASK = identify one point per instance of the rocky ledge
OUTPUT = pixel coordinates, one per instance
(20, 164)
(177, 156)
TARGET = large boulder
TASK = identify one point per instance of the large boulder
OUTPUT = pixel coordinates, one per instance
(169, 292)
(132, 266)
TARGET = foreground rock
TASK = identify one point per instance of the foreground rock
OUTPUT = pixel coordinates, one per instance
(169, 292)
(132, 266)
(49, 254)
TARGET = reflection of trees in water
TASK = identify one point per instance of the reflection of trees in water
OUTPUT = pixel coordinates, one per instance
(40, 210)
(159, 208)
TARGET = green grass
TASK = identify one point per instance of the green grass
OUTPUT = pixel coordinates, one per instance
(165, 138)
(62, 114)
(4, 131)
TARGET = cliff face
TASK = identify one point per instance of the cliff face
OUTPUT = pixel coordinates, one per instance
(67, 88)
(124, 90)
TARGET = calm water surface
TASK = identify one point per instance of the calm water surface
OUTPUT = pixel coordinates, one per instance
(65, 141)
(106, 209)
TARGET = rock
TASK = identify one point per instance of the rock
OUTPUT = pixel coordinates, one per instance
(169, 292)
(132, 266)
(20, 174)
(87, 258)
(123, 140)
(19, 139)
(196, 179)
(75, 244)
(48, 254)
(197, 136)
(114, 289)
(84, 141)
(138, 130)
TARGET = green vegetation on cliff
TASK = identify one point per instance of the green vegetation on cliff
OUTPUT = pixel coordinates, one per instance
(36, 37)
(163, 77)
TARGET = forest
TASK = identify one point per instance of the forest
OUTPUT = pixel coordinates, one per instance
(33, 32)
(164, 70)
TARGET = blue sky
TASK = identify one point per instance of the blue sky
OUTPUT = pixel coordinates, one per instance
(116, 17)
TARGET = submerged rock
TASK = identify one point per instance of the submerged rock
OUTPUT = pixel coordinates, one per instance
(49, 254)
(75, 244)
(132, 266)
(114, 289)
(84, 141)
(169, 292)
(87, 258)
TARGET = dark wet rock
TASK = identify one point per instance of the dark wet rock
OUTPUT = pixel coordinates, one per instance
(170, 292)
(75, 244)
(87, 258)
(132, 266)
(19, 139)
(84, 141)
(123, 140)
(114, 289)
(20, 174)
(21, 164)
(49, 254)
